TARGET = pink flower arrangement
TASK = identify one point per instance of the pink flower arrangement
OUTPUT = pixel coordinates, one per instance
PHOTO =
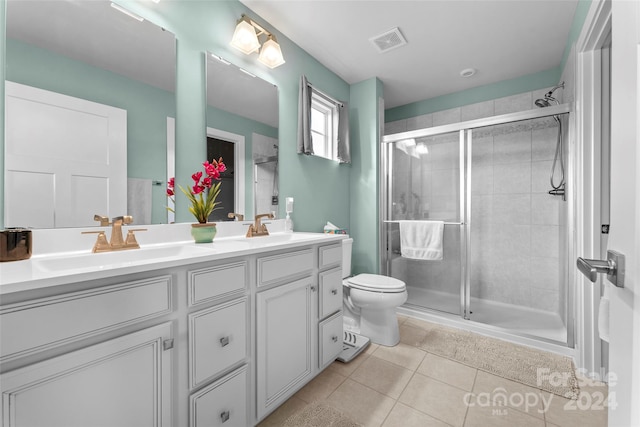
(201, 206)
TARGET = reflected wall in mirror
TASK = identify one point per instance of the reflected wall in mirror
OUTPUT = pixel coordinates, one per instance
(89, 58)
(242, 118)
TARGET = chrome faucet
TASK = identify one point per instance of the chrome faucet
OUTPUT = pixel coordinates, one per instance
(117, 241)
(257, 228)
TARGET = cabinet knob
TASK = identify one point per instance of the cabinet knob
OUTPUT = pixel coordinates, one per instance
(313, 289)
(224, 341)
(334, 291)
(224, 416)
(334, 338)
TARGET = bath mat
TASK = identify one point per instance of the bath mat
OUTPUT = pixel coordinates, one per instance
(318, 415)
(539, 369)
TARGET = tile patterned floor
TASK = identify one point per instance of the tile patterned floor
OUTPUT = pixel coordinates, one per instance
(408, 387)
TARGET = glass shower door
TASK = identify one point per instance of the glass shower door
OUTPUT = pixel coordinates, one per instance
(424, 183)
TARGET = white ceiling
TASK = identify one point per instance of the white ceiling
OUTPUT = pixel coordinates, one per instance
(502, 39)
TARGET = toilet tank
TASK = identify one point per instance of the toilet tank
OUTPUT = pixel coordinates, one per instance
(347, 244)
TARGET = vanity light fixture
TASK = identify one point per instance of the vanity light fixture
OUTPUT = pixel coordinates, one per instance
(245, 39)
(126, 12)
(271, 54)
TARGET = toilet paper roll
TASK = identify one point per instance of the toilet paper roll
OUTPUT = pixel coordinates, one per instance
(603, 314)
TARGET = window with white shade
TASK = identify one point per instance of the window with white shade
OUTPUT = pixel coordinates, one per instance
(324, 126)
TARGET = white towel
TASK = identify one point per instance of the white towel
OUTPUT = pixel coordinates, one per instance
(421, 239)
(139, 200)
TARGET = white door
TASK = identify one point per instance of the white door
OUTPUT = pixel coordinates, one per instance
(66, 159)
(624, 237)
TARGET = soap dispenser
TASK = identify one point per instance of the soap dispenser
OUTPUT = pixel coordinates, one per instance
(288, 222)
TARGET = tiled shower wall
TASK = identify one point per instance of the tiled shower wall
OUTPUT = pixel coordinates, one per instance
(516, 227)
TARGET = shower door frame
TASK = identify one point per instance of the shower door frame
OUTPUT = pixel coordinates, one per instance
(465, 130)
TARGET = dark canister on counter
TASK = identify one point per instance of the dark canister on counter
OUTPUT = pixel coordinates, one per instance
(15, 244)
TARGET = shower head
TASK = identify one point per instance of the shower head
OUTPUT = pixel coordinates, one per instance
(542, 103)
(548, 98)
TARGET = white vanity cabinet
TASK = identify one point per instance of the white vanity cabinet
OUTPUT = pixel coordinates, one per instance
(298, 320)
(330, 335)
(284, 326)
(220, 340)
(131, 372)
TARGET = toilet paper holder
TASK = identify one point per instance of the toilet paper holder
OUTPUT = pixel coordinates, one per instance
(613, 267)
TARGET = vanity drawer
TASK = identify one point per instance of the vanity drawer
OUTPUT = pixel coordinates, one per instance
(272, 269)
(212, 283)
(217, 340)
(330, 291)
(41, 324)
(223, 403)
(329, 255)
(330, 339)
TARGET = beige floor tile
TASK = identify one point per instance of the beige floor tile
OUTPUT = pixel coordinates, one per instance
(280, 415)
(401, 319)
(509, 393)
(448, 371)
(417, 323)
(404, 416)
(382, 376)
(435, 398)
(412, 335)
(402, 354)
(321, 386)
(360, 403)
(589, 410)
(484, 416)
(347, 369)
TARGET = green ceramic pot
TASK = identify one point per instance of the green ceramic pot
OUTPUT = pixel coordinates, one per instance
(204, 233)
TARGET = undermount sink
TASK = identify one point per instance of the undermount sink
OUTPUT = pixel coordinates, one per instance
(278, 238)
(118, 258)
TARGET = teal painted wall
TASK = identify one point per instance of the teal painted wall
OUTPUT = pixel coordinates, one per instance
(476, 94)
(147, 107)
(501, 89)
(365, 176)
(320, 187)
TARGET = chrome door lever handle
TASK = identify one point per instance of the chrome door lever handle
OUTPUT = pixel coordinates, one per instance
(613, 267)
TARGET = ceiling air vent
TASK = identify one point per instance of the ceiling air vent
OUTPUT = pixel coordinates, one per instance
(388, 40)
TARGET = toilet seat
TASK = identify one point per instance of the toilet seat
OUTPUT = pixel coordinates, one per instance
(376, 283)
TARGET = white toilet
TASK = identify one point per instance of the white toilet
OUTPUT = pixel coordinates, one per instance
(370, 302)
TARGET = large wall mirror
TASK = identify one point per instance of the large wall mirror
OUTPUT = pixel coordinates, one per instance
(242, 124)
(90, 102)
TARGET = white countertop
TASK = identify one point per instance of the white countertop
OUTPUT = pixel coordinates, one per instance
(49, 268)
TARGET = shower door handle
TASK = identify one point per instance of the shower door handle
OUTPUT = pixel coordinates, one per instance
(613, 267)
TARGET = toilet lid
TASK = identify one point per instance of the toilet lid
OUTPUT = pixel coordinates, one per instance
(376, 282)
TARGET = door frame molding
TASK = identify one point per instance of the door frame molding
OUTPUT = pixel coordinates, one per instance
(587, 180)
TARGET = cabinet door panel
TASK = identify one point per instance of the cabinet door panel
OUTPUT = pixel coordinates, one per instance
(331, 331)
(330, 292)
(122, 382)
(217, 340)
(223, 403)
(284, 341)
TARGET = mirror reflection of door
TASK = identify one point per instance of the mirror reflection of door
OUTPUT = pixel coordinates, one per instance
(217, 148)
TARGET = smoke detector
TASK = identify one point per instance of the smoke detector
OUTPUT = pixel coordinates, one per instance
(388, 40)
